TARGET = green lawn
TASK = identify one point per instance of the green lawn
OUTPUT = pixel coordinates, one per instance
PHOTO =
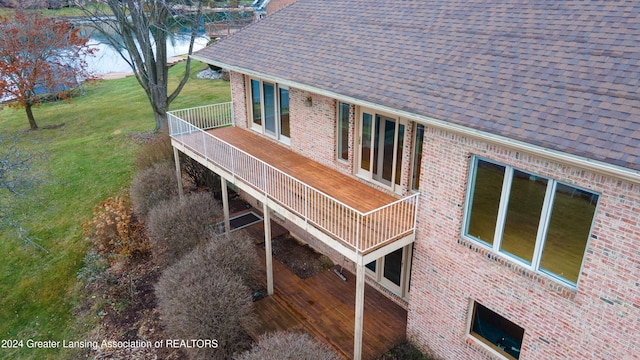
(88, 159)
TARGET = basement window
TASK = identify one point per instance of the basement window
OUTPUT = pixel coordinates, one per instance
(496, 332)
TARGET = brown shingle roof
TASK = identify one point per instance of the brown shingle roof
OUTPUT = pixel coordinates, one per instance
(564, 75)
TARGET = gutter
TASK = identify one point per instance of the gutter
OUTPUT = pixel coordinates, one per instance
(616, 171)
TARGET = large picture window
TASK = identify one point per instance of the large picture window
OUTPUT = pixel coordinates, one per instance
(270, 109)
(539, 222)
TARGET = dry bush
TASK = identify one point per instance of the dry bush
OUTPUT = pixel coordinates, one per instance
(236, 253)
(288, 345)
(113, 230)
(153, 185)
(157, 150)
(200, 174)
(176, 226)
(199, 300)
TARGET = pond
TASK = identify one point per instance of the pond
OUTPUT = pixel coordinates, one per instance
(108, 60)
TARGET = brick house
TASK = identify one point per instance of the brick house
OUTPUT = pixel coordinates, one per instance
(498, 146)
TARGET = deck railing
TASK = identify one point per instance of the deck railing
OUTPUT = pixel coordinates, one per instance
(363, 231)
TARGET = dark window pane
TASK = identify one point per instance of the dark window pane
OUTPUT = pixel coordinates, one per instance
(365, 155)
(523, 215)
(417, 157)
(399, 151)
(485, 200)
(393, 266)
(372, 265)
(387, 149)
(343, 131)
(496, 331)
(284, 113)
(269, 108)
(568, 232)
(255, 102)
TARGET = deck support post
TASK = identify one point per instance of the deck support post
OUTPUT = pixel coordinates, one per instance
(267, 245)
(176, 158)
(359, 320)
(225, 204)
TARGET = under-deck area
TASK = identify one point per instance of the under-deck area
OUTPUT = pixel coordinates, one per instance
(357, 220)
(324, 307)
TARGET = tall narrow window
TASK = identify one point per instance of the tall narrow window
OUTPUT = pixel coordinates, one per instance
(485, 201)
(399, 149)
(496, 332)
(256, 102)
(523, 215)
(269, 108)
(539, 222)
(365, 146)
(284, 113)
(343, 131)
(417, 157)
(569, 229)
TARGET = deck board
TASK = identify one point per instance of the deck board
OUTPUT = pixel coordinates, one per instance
(324, 307)
(345, 188)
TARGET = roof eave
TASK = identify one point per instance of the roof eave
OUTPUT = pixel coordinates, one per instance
(619, 172)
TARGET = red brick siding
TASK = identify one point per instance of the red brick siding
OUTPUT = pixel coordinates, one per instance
(598, 321)
(238, 95)
(313, 128)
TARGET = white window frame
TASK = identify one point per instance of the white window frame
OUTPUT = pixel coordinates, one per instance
(543, 225)
(405, 273)
(278, 119)
(368, 175)
(339, 131)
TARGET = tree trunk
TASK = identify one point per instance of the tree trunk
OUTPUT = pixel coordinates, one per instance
(32, 120)
(162, 123)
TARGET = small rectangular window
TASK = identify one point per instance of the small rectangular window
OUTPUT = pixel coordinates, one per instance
(343, 131)
(496, 332)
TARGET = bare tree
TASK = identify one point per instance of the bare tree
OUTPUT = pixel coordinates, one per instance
(142, 28)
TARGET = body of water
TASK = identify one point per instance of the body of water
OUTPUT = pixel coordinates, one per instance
(108, 60)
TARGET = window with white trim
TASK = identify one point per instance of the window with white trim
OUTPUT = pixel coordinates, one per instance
(344, 110)
(541, 223)
(269, 110)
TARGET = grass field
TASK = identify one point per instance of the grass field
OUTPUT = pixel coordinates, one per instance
(89, 158)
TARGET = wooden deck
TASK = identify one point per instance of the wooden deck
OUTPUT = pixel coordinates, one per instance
(324, 307)
(350, 191)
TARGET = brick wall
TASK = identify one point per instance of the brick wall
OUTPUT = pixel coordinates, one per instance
(239, 99)
(600, 320)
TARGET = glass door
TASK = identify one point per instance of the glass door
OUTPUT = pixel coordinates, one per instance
(392, 270)
(381, 147)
